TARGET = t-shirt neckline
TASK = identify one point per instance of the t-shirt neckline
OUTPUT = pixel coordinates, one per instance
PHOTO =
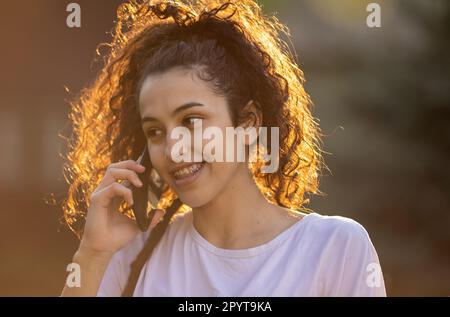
(248, 252)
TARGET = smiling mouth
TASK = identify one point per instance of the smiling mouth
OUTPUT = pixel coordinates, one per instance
(188, 171)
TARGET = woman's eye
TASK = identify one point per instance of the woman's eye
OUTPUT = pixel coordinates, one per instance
(152, 133)
(190, 121)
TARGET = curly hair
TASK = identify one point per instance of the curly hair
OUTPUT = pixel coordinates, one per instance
(240, 52)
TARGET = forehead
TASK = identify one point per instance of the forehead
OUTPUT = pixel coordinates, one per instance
(172, 88)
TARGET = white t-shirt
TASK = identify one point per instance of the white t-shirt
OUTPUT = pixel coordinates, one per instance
(316, 256)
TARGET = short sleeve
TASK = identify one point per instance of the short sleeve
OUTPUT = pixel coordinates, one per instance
(357, 270)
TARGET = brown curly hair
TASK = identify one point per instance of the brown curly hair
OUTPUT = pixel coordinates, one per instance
(244, 58)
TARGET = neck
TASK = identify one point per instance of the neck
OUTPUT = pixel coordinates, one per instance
(238, 215)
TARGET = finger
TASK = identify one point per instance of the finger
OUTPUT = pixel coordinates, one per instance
(114, 174)
(158, 217)
(115, 191)
(128, 164)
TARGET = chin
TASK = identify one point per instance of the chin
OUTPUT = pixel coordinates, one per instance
(194, 199)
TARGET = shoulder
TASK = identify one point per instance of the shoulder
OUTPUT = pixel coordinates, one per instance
(348, 260)
(336, 236)
(335, 222)
(342, 242)
(337, 228)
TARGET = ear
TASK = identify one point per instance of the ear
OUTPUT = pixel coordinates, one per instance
(253, 119)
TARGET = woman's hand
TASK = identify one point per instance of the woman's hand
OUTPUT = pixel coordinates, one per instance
(106, 230)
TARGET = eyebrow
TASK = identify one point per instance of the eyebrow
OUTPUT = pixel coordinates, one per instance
(176, 111)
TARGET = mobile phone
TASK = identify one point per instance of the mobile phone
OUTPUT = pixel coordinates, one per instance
(149, 193)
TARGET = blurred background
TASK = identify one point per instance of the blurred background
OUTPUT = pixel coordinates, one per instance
(382, 96)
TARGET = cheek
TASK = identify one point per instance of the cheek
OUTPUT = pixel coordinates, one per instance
(157, 159)
(219, 175)
(214, 179)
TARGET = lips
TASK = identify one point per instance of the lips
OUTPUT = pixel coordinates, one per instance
(187, 170)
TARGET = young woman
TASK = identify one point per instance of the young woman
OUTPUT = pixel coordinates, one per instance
(239, 231)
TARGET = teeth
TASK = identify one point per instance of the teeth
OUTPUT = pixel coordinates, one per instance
(188, 170)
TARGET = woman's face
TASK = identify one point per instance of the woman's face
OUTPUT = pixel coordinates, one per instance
(178, 98)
